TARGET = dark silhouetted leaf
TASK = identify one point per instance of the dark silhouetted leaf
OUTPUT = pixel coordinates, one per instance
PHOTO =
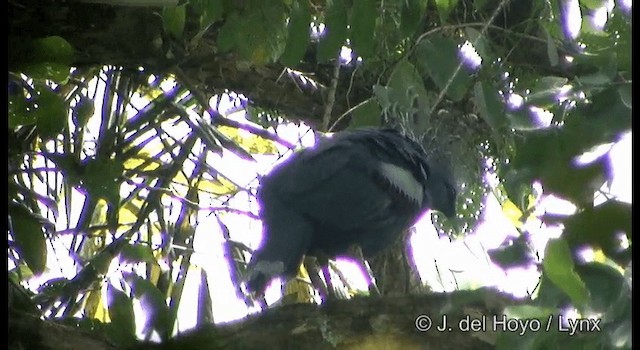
(298, 34)
(137, 253)
(122, 317)
(173, 18)
(50, 111)
(367, 113)
(335, 33)
(599, 225)
(363, 22)
(52, 49)
(411, 13)
(28, 236)
(440, 58)
(516, 254)
(56, 72)
(559, 268)
(153, 303)
(444, 8)
(490, 106)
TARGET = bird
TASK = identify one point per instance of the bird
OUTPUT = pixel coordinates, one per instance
(362, 187)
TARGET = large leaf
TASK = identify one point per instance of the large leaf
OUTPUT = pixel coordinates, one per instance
(154, 304)
(52, 49)
(490, 106)
(598, 226)
(440, 59)
(363, 22)
(559, 268)
(50, 111)
(545, 91)
(256, 33)
(444, 8)
(174, 18)
(298, 34)
(28, 236)
(137, 253)
(411, 14)
(366, 114)
(335, 33)
(122, 316)
(102, 178)
(405, 93)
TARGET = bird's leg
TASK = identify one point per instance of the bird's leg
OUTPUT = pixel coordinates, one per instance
(332, 292)
(323, 260)
(326, 272)
(371, 281)
(311, 264)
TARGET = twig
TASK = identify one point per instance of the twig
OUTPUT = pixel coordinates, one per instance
(331, 99)
(343, 115)
(459, 66)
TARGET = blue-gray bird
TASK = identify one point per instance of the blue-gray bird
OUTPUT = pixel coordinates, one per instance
(363, 187)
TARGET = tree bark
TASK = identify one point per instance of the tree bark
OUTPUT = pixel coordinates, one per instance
(359, 323)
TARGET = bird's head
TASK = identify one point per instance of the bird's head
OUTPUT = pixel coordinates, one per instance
(440, 192)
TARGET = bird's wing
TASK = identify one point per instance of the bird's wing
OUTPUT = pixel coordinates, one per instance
(340, 185)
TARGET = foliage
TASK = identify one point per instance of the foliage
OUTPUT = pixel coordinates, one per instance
(117, 164)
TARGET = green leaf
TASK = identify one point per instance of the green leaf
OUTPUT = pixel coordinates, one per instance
(257, 33)
(228, 33)
(598, 122)
(69, 165)
(490, 106)
(593, 4)
(574, 182)
(410, 16)
(83, 111)
(439, 58)
(363, 22)
(298, 34)
(365, 114)
(479, 42)
(102, 178)
(205, 315)
(20, 111)
(122, 317)
(213, 11)
(605, 285)
(335, 33)
(444, 8)
(174, 18)
(545, 91)
(29, 238)
(52, 49)
(521, 119)
(625, 95)
(597, 226)
(529, 312)
(50, 112)
(552, 51)
(558, 266)
(56, 72)
(518, 253)
(137, 253)
(405, 93)
(153, 302)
